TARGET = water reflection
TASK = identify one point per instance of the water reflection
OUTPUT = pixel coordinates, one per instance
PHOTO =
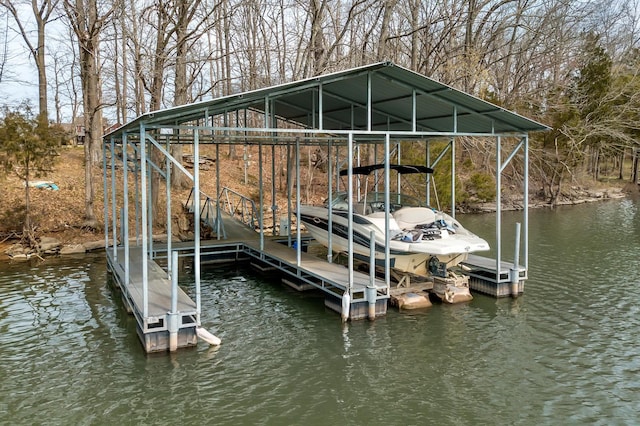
(564, 352)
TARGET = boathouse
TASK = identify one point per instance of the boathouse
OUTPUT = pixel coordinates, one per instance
(381, 106)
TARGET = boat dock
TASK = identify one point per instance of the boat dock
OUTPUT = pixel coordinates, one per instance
(291, 136)
(274, 254)
(299, 270)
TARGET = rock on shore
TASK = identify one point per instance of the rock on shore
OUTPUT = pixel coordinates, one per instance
(49, 246)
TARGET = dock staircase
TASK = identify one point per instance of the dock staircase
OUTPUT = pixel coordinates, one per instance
(229, 204)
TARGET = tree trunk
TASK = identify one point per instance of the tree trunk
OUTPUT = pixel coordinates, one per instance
(42, 14)
(157, 81)
(227, 63)
(384, 30)
(117, 73)
(88, 25)
(178, 179)
(415, 23)
(317, 43)
(40, 65)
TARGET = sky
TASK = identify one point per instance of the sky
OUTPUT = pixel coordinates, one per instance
(19, 79)
(19, 82)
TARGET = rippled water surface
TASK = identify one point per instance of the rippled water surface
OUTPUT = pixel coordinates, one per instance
(566, 352)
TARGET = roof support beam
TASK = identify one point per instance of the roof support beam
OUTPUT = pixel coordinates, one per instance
(369, 105)
(455, 119)
(414, 113)
(369, 108)
(435, 94)
(320, 107)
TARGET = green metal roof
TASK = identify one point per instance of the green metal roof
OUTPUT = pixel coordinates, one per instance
(343, 99)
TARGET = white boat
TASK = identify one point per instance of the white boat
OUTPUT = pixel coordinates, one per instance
(422, 241)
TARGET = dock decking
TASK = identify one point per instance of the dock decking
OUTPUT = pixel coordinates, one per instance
(153, 328)
(369, 295)
(331, 278)
(311, 272)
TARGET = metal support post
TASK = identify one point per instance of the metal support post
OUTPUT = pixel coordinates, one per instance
(350, 211)
(114, 215)
(370, 292)
(298, 236)
(125, 202)
(329, 205)
(274, 206)
(498, 206)
(173, 315)
(105, 198)
(145, 219)
(167, 182)
(515, 270)
(196, 214)
(387, 236)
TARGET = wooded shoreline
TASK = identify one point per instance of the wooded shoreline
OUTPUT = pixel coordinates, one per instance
(61, 243)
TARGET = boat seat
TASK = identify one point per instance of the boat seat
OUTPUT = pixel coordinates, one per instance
(409, 218)
(361, 208)
(378, 218)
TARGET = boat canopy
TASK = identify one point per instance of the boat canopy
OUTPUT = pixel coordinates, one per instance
(365, 170)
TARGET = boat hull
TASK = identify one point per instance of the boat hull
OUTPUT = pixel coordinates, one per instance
(405, 255)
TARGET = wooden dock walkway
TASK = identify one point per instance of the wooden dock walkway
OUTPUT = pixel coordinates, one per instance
(153, 328)
(312, 272)
(273, 254)
(331, 278)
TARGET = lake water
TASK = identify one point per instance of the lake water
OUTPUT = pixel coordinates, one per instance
(566, 352)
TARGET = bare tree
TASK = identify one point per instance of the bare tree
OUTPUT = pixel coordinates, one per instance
(188, 28)
(43, 14)
(63, 69)
(87, 23)
(522, 54)
(4, 43)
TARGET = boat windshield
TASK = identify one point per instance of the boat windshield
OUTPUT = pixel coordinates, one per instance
(376, 201)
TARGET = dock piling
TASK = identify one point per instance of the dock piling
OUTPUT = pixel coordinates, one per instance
(370, 295)
(172, 316)
(172, 327)
(346, 303)
(515, 270)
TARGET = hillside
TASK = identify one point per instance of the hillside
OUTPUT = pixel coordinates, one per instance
(54, 212)
(59, 213)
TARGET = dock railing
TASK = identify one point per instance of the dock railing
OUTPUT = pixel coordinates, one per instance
(240, 207)
(208, 212)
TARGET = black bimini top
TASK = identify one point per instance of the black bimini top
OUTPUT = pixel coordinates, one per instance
(402, 169)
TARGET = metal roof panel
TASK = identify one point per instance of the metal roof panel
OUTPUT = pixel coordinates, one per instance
(344, 95)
